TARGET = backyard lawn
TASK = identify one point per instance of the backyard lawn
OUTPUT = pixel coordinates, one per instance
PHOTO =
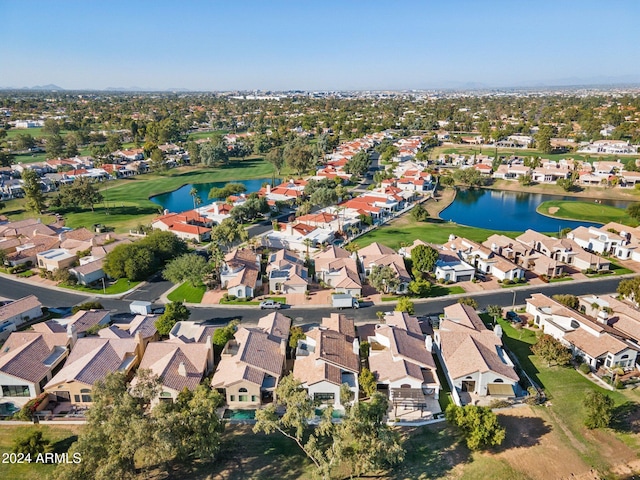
(61, 438)
(588, 211)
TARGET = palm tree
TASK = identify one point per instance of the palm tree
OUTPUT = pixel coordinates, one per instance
(307, 242)
(194, 194)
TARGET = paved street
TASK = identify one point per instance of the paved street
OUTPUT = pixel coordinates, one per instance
(304, 315)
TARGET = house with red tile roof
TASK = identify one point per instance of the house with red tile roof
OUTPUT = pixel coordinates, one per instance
(188, 225)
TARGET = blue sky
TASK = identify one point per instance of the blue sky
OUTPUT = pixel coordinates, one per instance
(322, 45)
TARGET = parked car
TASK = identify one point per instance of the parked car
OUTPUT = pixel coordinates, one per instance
(513, 317)
(270, 304)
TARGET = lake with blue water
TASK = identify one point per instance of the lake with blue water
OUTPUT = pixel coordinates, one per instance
(181, 200)
(511, 211)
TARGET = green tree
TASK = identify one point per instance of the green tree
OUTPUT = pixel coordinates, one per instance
(214, 154)
(93, 305)
(525, 180)
(599, 408)
(424, 258)
(82, 192)
(174, 312)
(134, 261)
(296, 333)
(228, 232)
(54, 146)
(228, 190)
(190, 428)
(299, 409)
(633, 211)
(164, 245)
(543, 139)
(188, 267)
(630, 289)
(113, 143)
(116, 436)
(157, 161)
(324, 197)
(51, 126)
(222, 335)
(469, 177)
(479, 425)
(567, 300)
(405, 305)
(358, 164)
(384, 279)
(6, 158)
(469, 301)
(551, 350)
(194, 152)
(24, 141)
(420, 287)
(33, 191)
(495, 311)
(276, 158)
(298, 157)
(364, 441)
(419, 213)
(31, 442)
(367, 382)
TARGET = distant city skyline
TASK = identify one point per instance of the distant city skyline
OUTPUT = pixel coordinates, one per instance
(333, 45)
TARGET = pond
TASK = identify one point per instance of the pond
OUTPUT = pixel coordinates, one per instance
(181, 200)
(511, 211)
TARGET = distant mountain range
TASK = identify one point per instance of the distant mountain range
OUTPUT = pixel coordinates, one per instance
(594, 81)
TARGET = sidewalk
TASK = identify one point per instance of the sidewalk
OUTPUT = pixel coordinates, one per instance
(49, 284)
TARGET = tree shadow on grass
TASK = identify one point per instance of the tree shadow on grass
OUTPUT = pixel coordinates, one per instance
(626, 417)
(63, 445)
(522, 350)
(522, 431)
(431, 452)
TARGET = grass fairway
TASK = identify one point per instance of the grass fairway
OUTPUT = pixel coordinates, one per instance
(61, 438)
(187, 293)
(393, 235)
(126, 201)
(588, 211)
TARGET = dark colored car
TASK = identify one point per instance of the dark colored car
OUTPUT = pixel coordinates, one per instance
(513, 317)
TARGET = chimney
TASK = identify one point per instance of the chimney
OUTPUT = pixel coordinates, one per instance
(283, 346)
(356, 346)
(603, 315)
(268, 188)
(498, 331)
(494, 248)
(216, 208)
(428, 343)
(209, 344)
(72, 334)
(61, 236)
(182, 369)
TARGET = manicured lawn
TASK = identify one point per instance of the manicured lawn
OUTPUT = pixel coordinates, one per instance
(560, 279)
(200, 135)
(126, 201)
(61, 438)
(615, 268)
(436, 232)
(187, 293)
(566, 388)
(588, 211)
(119, 286)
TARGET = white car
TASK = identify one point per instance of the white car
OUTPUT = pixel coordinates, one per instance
(270, 304)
